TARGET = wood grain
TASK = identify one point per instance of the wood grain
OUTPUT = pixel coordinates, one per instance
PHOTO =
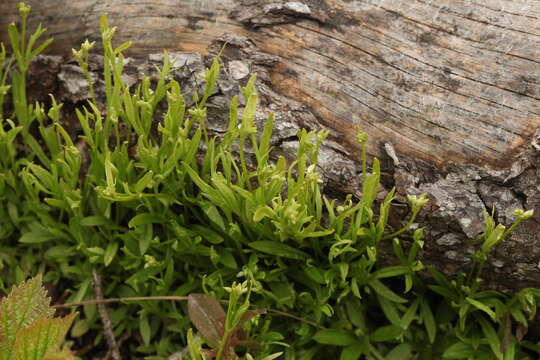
(445, 81)
(452, 85)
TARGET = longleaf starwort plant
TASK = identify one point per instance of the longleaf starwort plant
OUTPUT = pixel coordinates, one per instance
(148, 197)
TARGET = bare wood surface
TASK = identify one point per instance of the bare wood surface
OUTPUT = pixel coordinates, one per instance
(451, 86)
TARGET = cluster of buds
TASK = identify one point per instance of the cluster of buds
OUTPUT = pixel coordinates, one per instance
(417, 202)
(237, 288)
(523, 215)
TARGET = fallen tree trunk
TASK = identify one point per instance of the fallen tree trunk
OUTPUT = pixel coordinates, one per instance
(449, 92)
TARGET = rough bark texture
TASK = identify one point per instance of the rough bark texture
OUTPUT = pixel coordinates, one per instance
(449, 91)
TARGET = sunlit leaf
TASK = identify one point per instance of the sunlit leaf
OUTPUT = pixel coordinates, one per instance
(24, 305)
(34, 341)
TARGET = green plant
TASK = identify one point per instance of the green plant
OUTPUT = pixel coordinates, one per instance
(28, 330)
(222, 330)
(146, 195)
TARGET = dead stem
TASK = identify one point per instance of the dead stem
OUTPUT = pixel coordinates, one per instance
(114, 351)
(173, 298)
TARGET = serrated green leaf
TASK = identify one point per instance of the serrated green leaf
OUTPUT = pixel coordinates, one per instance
(34, 341)
(24, 305)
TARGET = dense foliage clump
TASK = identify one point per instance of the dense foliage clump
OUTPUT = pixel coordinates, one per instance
(158, 207)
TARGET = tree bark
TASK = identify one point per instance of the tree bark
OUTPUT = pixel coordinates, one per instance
(448, 90)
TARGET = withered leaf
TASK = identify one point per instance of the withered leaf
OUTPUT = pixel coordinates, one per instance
(208, 316)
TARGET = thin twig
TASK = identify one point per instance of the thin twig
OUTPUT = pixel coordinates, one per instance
(173, 298)
(117, 300)
(107, 327)
(309, 322)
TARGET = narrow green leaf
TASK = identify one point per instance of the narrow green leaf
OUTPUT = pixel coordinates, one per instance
(510, 353)
(354, 351)
(278, 249)
(96, 220)
(428, 319)
(386, 333)
(400, 352)
(334, 337)
(384, 291)
(441, 290)
(144, 182)
(110, 253)
(390, 310)
(491, 336)
(80, 328)
(390, 271)
(410, 314)
(41, 47)
(481, 306)
(144, 219)
(36, 237)
(458, 350)
(214, 215)
(144, 328)
(263, 212)
(208, 234)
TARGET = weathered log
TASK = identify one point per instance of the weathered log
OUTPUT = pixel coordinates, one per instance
(448, 90)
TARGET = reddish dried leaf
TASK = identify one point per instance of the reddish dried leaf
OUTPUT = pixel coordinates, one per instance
(248, 315)
(210, 354)
(208, 316)
(521, 331)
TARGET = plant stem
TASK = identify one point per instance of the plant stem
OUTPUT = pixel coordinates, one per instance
(171, 298)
